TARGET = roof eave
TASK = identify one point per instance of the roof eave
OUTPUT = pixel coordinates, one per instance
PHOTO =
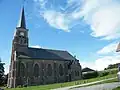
(43, 59)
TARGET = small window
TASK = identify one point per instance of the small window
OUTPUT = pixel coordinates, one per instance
(13, 73)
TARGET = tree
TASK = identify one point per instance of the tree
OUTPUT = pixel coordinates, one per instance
(5, 79)
(1, 72)
(111, 66)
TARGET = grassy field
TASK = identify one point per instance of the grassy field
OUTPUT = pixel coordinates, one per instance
(108, 81)
(58, 85)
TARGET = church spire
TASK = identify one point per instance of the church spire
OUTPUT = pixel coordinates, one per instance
(22, 23)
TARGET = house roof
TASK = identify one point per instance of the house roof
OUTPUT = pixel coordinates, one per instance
(87, 69)
(45, 54)
(118, 48)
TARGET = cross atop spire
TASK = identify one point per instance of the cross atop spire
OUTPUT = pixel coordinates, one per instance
(22, 23)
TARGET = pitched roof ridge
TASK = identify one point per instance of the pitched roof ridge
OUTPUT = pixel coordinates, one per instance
(56, 50)
(48, 49)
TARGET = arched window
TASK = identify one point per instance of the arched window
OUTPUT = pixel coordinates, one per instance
(42, 65)
(60, 70)
(25, 41)
(21, 40)
(49, 70)
(78, 73)
(75, 73)
(36, 70)
(42, 72)
(55, 65)
(22, 70)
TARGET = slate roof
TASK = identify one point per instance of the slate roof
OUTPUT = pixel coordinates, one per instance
(45, 54)
(87, 69)
(22, 23)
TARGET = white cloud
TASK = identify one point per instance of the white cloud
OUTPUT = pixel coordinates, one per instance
(106, 56)
(111, 48)
(57, 20)
(88, 64)
(101, 15)
(36, 46)
(105, 61)
(101, 63)
(106, 22)
(59, 17)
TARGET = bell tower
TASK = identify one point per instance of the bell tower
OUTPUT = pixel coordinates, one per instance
(21, 33)
(20, 39)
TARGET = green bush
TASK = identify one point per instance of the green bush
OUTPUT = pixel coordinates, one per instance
(89, 75)
(113, 71)
(95, 74)
(106, 72)
(103, 73)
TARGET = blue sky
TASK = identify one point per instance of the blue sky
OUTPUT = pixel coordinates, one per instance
(89, 29)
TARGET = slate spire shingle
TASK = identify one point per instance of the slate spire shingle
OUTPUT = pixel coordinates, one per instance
(22, 23)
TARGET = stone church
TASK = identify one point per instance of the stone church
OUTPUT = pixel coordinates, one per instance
(36, 66)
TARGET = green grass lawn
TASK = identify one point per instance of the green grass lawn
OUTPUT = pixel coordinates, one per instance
(108, 81)
(58, 85)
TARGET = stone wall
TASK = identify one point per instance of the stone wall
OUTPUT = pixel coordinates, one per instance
(57, 72)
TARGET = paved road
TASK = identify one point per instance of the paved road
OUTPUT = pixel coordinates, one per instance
(107, 86)
(67, 88)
